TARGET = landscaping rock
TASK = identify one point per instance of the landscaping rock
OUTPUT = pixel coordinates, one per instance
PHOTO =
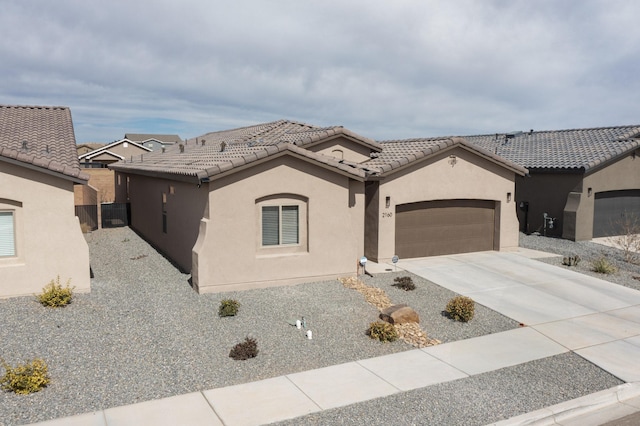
(399, 314)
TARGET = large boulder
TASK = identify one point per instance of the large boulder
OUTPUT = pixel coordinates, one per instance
(399, 314)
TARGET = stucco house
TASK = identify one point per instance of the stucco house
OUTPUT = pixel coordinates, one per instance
(110, 153)
(153, 141)
(287, 202)
(40, 236)
(581, 182)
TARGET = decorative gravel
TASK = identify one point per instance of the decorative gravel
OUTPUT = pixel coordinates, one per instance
(143, 333)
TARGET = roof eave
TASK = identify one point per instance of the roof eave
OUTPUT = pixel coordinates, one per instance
(81, 178)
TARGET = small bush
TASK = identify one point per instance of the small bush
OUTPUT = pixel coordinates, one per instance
(405, 283)
(461, 308)
(382, 331)
(54, 295)
(25, 378)
(571, 260)
(228, 308)
(603, 266)
(245, 350)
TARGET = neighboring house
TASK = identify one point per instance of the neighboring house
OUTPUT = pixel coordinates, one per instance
(285, 202)
(153, 141)
(110, 153)
(584, 181)
(88, 147)
(40, 237)
(95, 163)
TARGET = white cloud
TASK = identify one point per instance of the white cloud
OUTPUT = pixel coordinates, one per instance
(386, 70)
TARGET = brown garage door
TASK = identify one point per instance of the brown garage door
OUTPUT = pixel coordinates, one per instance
(614, 212)
(432, 228)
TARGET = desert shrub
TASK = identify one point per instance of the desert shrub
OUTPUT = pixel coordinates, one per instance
(461, 308)
(85, 228)
(244, 350)
(54, 295)
(602, 266)
(228, 308)
(405, 283)
(382, 331)
(25, 378)
(571, 260)
(629, 241)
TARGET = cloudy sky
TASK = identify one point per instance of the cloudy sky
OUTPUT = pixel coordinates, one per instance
(384, 69)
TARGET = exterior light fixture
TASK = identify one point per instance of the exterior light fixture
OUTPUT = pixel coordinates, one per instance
(508, 197)
(387, 202)
(589, 192)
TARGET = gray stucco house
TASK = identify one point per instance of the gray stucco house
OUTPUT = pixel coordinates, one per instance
(581, 182)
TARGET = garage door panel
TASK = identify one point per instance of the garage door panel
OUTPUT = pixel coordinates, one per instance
(444, 227)
(610, 209)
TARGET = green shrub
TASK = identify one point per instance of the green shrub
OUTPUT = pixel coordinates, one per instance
(245, 350)
(25, 378)
(571, 260)
(228, 308)
(382, 331)
(461, 308)
(405, 283)
(603, 266)
(54, 295)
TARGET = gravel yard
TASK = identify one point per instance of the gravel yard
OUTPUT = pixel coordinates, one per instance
(142, 334)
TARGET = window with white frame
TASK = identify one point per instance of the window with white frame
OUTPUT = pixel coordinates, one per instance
(280, 225)
(7, 234)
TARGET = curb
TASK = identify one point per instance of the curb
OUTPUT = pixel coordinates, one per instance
(556, 414)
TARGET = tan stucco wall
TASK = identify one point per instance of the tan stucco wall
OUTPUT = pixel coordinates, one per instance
(184, 209)
(228, 256)
(621, 175)
(471, 177)
(351, 151)
(48, 236)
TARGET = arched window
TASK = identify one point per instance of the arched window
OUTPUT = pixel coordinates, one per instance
(282, 223)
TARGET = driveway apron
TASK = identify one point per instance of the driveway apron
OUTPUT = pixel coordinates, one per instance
(597, 319)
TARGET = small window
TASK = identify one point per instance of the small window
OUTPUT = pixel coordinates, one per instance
(280, 225)
(164, 212)
(7, 234)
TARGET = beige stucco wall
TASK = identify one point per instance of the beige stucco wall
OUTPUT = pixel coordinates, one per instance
(49, 241)
(343, 149)
(185, 206)
(621, 175)
(228, 255)
(471, 177)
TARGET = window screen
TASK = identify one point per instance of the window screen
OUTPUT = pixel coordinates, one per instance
(7, 235)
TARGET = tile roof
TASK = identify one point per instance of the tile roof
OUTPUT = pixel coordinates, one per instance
(561, 149)
(398, 153)
(141, 137)
(217, 152)
(41, 137)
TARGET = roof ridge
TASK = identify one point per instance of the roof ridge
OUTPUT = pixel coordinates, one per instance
(34, 106)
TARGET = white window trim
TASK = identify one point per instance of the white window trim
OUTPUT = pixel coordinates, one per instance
(15, 207)
(8, 242)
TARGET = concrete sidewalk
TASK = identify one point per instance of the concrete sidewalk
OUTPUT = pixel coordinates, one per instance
(562, 311)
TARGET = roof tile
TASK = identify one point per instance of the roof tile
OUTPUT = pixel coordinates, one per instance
(41, 136)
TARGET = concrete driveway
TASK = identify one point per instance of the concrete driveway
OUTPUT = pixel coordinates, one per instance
(596, 319)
